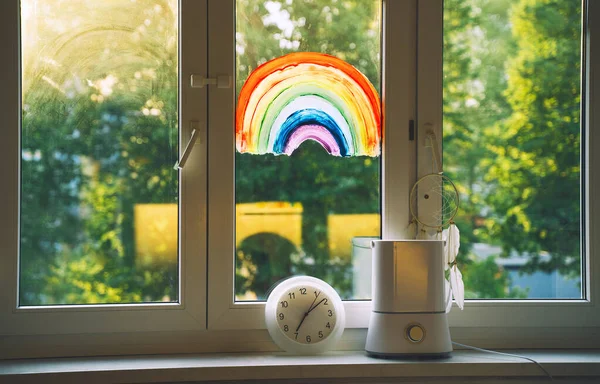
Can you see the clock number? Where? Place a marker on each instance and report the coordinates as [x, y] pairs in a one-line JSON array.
[[328, 326], [286, 328], [329, 313], [320, 334], [325, 302], [302, 291], [281, 317], [308, 339], [317, 293], [292, 295], [296, 333], [284, 304]]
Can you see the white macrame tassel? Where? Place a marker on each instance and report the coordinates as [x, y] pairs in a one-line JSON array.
[[458, 287], [448, 291], [411, 230], [452, 247], [452, 243]]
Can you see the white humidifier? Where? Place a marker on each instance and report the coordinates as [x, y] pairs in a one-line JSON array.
[[409, 302]]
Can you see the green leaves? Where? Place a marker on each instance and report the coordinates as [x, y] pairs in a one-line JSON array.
[[515, 155], [91, 71]]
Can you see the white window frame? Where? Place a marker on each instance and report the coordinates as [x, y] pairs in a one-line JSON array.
[[207, 319]]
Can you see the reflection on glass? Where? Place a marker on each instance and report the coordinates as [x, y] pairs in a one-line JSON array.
[[99, 139], [512, 144], [298, 214]]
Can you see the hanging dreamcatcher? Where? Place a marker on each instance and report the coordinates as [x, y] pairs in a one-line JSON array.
[[434, 202]]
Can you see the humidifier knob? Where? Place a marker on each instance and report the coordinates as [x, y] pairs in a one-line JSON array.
[[415, 333]]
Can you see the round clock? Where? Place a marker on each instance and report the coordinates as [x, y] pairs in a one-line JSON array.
[[305, 315]]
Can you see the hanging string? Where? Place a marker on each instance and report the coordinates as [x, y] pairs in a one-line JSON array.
[[436, 160], [411, 230], [439, 234], [422, 235]]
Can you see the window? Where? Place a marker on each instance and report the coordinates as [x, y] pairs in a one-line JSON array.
[[221, 219], [512, 143], [542, 314], [104, 237], [99, 195], [297, 212]]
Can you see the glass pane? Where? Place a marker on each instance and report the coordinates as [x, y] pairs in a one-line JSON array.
[[308, 183], [512, 139], [99, 134]]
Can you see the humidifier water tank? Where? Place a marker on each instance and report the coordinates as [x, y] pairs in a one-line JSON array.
[[409, 301]]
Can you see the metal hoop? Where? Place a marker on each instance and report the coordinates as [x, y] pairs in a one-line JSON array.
[[443, 178]]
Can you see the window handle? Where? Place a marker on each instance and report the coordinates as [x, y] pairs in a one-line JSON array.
[[188, 148]]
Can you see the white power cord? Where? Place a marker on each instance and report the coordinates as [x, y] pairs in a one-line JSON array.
[[506, 354]]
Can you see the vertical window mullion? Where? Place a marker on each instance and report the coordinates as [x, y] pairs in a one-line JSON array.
[[194, 175]]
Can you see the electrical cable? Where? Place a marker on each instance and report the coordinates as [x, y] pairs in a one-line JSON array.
[[506, 354]]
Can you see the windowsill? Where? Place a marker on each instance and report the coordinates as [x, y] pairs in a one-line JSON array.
[[584, 364]]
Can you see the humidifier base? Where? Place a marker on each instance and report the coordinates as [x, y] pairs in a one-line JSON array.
[[402, 335]]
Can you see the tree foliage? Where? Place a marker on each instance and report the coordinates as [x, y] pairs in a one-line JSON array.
[[99, 136], [512, 129], [537, 149]]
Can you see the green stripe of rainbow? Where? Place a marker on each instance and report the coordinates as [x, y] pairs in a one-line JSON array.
[[303, 82]]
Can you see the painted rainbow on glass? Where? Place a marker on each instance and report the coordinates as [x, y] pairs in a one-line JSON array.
[[308, 96]]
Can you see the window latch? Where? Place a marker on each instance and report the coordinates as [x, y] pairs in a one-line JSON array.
[[199, 81], [188, 148]]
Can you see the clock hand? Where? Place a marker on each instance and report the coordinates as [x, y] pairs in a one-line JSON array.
[[310, 310], [316, 297], [307, 312], [301, 321]]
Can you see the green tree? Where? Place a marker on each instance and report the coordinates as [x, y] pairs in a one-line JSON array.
[[99, 136], [511, 129], [485, 280], [477, 41], [535, 176]]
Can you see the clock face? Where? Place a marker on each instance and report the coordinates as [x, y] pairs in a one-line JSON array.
[[306, 314]]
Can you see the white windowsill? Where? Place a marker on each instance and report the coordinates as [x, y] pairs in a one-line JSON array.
[[584, 365]]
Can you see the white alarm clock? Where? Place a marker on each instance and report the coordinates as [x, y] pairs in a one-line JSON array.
[[305, 315]]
